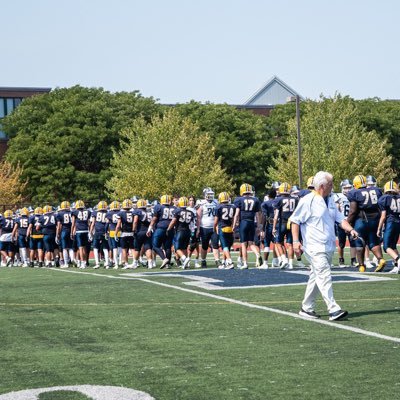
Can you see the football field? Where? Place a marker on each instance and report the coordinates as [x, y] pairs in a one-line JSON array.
[[195, 334]]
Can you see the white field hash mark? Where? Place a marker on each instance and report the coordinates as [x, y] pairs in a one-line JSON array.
[[246, 304]]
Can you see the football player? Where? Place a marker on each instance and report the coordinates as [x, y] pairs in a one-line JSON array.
[[223, 225], [112, 220], [125, 225], [268, 221], [284, 205], [48, 226], [6, 233], [182, 218], [162, 240], [80, 230], [19, 235], [205, 227], [247, 208], [310, 187], [141, 222], [390, 222], [35, 237], [364, 216], [63, 233], [194, 240], [97, 233], [343, 205]]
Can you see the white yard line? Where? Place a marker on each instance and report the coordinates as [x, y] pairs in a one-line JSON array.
[[249, 305]]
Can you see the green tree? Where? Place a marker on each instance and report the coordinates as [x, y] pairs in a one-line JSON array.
[[167, 155], [242, 139], [333, 139], [63, 140]]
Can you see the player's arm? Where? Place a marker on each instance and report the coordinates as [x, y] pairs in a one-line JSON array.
[[14, 232], [199, 213], [276, 216], [117, 228], [172, 223], [381, 224], [236, 218], [29, 230], [73, 225], [353, 212]]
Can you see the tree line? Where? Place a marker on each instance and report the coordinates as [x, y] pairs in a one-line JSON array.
[[91, 144]]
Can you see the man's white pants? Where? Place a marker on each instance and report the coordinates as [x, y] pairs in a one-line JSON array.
[[320, 281]]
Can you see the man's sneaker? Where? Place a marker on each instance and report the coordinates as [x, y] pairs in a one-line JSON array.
[[96, 266], [239, 264], [203, 264], [381, 265], [361, 268], [308, 314], [395, 270], [243, 266], [338, 315], [8, 262], [221, 266], [197, 264], [229, 265], [275, 263], [115, 266], [341, 263], [290, 266], [126, 266]]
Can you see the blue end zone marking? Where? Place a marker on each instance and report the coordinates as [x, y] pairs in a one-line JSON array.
[[215, 279]]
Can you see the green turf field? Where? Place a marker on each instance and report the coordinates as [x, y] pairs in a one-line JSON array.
[[61, 328]]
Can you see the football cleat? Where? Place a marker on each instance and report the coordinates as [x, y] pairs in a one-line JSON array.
[[381, 265]]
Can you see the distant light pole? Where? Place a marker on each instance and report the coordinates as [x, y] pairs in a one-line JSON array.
[[296, 99]]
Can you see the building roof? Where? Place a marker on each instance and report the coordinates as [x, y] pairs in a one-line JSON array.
[[275, 91], [21, 91]]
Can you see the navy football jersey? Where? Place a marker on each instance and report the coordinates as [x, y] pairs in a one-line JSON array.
[[22, 223], [267, 209], [185, 217], [391, 204], [100, 221], [164, 214], [225, 214], [248, 206], [64, 218], [366, 199], [48, 224], [126, 218], [81, 219], [303, 192], [286, 206], [144, 219], [33, 220], [112, 219], [7, 225]]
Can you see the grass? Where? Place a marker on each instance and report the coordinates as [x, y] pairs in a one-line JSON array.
[[62, 329]]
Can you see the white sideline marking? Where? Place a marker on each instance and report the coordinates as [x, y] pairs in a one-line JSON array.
[[250, 305]]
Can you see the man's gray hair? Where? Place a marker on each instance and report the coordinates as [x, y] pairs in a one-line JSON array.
[[321, 178]]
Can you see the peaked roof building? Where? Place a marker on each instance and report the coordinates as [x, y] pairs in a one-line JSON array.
[[275, 91]]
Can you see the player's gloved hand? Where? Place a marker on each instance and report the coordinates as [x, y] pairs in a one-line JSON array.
[[116, 238], [57, 240], [90, 237]]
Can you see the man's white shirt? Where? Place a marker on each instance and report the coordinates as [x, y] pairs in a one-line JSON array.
[[317, 222]]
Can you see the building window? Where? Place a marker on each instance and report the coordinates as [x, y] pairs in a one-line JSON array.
[[2, 108], [10, 106]]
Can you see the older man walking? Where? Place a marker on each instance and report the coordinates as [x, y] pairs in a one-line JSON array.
[[315, 216]]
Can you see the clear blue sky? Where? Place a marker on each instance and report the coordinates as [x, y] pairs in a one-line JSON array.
[[207, 50]]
